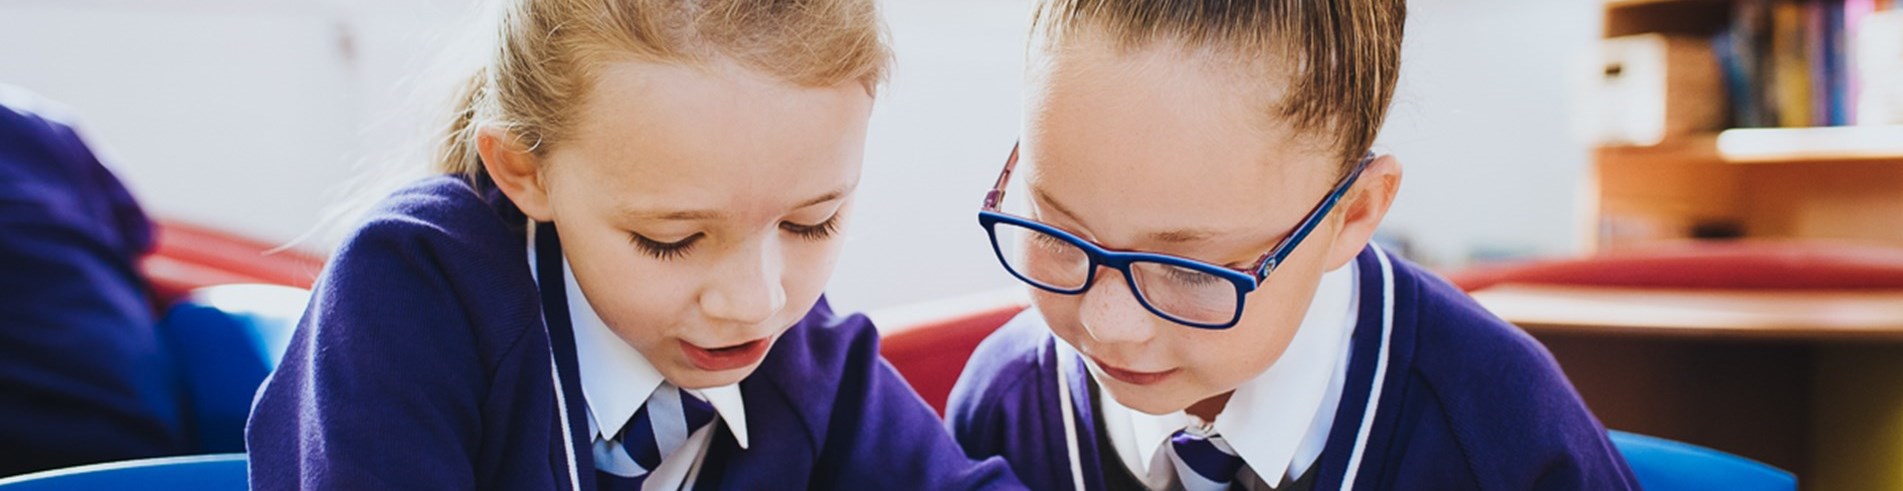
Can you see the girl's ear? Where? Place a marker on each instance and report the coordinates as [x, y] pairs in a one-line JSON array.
[[1364, 208], [515, 170]]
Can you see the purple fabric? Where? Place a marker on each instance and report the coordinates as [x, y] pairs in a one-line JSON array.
[[80, 365], [1204, 458], [423, 363], [1468, 402]]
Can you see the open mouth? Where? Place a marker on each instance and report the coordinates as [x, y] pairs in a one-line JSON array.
[[1133, 377], [726, 357]]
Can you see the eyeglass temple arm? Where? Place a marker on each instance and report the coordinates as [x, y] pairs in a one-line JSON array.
[[1270, 260], [995, 197]]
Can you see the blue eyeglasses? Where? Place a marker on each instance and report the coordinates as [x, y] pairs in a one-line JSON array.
[[1183, 290]]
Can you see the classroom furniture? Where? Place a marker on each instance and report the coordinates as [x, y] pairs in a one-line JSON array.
[[1790, 353], [929, 342], [188, 256], [1801, 367], [1808, 181], [220, 472], [1665, 465], [222, 341]]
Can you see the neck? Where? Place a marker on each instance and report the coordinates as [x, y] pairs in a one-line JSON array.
[[1207, 409]]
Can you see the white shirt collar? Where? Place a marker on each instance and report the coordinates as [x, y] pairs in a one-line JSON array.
[[616, 380], [1279, 421]]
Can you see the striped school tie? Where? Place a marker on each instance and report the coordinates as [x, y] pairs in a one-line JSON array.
[[656, 430], [1204, 462]]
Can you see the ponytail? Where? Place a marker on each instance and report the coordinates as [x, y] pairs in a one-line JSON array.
[[456, 154]]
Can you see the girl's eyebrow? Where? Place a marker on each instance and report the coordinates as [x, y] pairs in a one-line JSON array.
[[829, 196], [1176, 236], [1183, 235], [693, 215], [679, 215]]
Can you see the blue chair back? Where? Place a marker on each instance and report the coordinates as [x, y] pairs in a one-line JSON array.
[[223, 341], [221, 472], [1666, 465]]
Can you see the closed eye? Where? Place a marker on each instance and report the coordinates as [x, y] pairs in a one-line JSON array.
[[664, 250], [818, 231]]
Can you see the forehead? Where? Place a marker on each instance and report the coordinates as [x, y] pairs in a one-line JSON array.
[[678, 136], [1163, 137]]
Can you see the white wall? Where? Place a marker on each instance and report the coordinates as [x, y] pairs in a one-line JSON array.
[[939, 136], [253, 114], [1485, 123]]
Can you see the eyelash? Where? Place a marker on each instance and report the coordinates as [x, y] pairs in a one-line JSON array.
[[822, 231], [675, 250], [664, 250]]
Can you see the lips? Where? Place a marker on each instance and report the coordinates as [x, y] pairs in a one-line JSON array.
[[727, 357], [1132, 377]]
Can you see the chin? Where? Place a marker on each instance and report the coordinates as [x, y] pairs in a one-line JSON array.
[[1147, 400]]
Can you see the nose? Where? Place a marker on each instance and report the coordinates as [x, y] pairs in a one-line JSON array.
[[745, 290], [1110, 312]]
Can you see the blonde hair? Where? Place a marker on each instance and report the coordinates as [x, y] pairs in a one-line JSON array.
[[549, 50], [1342, 57]]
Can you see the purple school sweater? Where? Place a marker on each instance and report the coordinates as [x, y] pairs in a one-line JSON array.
[[1440, 394], [424, 362], [83, 377]]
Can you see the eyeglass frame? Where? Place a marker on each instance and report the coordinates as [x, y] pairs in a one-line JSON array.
[[1245, 280]]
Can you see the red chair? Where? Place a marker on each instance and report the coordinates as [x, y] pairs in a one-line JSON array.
[[929, 342], [1711, 265], [188, 257]]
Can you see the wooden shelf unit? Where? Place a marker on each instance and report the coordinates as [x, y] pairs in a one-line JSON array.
[[1849, 186], [1820, 395], [1843, 183]]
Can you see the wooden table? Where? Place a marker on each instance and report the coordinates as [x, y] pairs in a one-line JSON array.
[[1809, 381]]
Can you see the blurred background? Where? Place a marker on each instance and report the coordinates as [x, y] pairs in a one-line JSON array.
[[1697, 205], [254, 116]]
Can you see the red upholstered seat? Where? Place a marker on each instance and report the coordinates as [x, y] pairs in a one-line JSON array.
[[928, 343], [1713, 265], [189, 257]]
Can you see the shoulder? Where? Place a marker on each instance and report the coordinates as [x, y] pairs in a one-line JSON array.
[[816, 359], [1006, 359], [1457, 341], [435, 211], [434, 253], [998, 378], [440, 224], [1501, 396], [50, 176], [1473, 359], [821, 345], [24, 113]]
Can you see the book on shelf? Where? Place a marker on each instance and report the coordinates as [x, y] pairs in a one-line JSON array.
[[1801, 63]]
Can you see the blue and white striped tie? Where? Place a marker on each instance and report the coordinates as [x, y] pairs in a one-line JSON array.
[[1204, 462], [656, 430]]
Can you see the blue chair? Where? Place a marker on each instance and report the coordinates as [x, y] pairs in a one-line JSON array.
[[1665, 465], [223, 341], [197, 473]]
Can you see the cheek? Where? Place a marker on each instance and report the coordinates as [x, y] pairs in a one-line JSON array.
[[1269, 322], [653, 289], [626, 287], [1227, 359], [808, 266], [1060, 313]]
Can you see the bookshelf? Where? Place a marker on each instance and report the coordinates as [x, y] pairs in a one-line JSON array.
[[1784, 164], [1815, 145], [1804, 182]]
